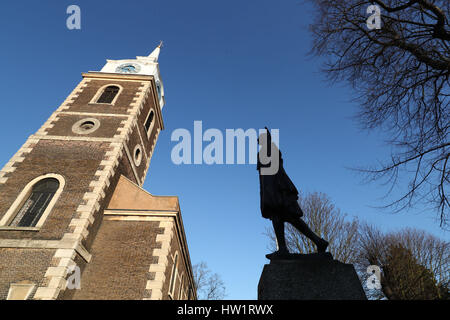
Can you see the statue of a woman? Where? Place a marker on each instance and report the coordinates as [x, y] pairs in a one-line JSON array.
[[279, 201]]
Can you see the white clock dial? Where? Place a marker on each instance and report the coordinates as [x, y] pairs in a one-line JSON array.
[[128, 68]]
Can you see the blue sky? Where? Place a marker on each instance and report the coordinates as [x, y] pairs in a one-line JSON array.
[[231, 64]]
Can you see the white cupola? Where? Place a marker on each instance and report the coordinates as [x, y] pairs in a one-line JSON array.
[[147, 65]]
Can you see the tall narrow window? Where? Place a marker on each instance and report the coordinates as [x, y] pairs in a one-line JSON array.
[[158, 89], [174, 275], [190, 293], [108, 94], [181, 288], [148, 122], [33, 208]]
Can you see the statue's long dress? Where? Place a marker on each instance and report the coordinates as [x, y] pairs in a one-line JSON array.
[[279, 196]]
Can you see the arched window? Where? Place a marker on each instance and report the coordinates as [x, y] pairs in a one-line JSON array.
[[36, 203], [149, 121], [173, 276], [180, 293], [108, 94]]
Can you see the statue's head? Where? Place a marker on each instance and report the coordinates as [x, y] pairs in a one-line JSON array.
[[268, 155], [265, 137]]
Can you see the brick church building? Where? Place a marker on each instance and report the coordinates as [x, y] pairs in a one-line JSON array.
[[75, 222]]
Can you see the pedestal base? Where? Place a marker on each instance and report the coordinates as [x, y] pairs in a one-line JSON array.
[[309, 277]]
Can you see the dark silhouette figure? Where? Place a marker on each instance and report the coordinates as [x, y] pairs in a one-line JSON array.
[[279, 200]]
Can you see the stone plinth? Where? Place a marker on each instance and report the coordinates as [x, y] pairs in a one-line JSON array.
[[309, 277]]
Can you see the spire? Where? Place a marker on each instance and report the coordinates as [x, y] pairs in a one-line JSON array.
[[155, 54]]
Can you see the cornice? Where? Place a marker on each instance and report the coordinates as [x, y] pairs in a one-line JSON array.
[[118, 76]]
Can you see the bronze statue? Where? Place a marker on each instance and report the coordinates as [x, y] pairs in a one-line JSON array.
[[279, 199]]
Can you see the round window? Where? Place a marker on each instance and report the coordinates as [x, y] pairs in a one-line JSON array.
[[137, 155], [86, 126]]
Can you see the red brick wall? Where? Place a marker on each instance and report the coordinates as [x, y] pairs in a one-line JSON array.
[[76, 161], [63, 126], [131, 144], [121, 257], [182, 270], [17, 265], [82, 102]]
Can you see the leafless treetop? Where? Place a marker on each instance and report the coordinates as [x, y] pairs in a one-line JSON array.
[[401, 77]]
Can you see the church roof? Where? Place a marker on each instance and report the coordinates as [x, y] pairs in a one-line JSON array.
[[129, 196]]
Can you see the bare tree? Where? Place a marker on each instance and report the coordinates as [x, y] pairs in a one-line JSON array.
[[413, 263], [327, 222], [400, 73], [209, 285]]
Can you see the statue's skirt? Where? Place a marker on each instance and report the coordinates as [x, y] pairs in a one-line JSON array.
[[279, 197]]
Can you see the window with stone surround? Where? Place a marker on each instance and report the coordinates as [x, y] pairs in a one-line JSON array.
[[180, 291], [137, 155], [21, 290], [33, 208], [108, 94], [149, 122], [173, 276], [34, 203]]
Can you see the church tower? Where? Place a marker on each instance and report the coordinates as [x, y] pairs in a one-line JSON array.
[[75, 222]]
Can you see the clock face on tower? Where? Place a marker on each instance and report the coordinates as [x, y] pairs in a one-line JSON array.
[[128, 68]]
